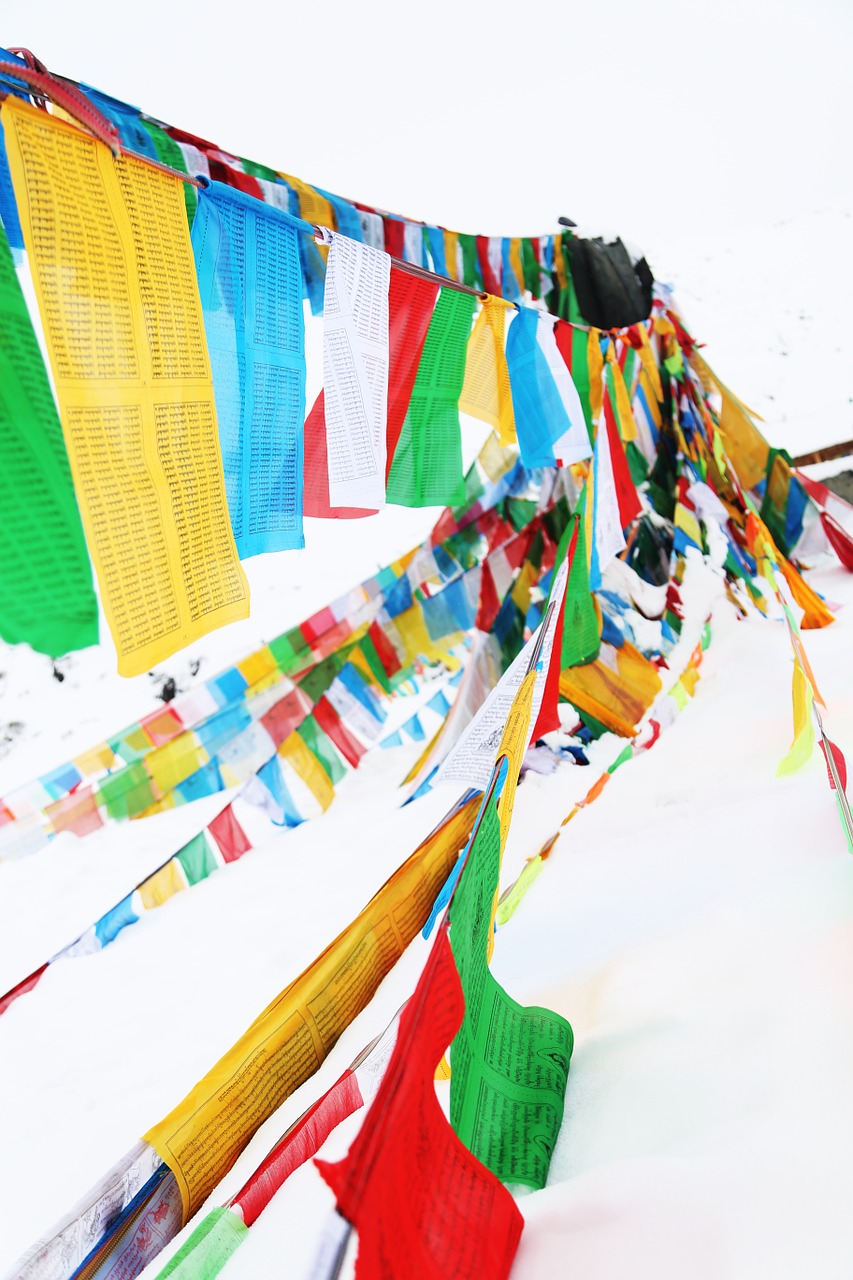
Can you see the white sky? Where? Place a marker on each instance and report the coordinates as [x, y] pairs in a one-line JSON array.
[[490, 117], [712, 138]]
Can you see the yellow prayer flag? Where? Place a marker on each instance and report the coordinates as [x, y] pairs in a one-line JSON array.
[[514, 740], [651, 398], [202, 1137], [746, 447], [496, 460], [801, 748], [686, 521], [621, 399], [164, 884], [173, 763], [95, 760], [305, 764], [595, 363], [115, 281], [649, 363], [257, 666], [451, 256], [522, 586], [516, 263], [618, 698], [416, 639], [486, 393]]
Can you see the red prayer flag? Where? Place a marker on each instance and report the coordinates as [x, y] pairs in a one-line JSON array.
[[77, 812], [840, 765], [162, 726], [423, 1206], [332, 724], [25, 985], [315, 491], [839, 539], [549, 718], [491, 284], [286, 715], [626, 492], [411, 303], [229, 835], [385, 650], [490, 604], [395, 236], [302, 1140], [221, 172]]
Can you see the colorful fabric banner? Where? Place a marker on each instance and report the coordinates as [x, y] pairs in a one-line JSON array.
[[355, 372], [509, 1065], [134, 385], [46, 593], [486, 392], [247, 259], [427, 466], [540, 412], [421, 1203]]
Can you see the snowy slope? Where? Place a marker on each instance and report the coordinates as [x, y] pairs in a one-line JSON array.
[[695, 925]]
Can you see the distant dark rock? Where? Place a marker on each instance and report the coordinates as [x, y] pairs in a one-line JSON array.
[[167, 690], [842, 484]]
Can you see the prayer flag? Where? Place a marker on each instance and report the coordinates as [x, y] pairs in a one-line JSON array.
[[423, 1206], [46, 593], [133, 383], [427, 466]]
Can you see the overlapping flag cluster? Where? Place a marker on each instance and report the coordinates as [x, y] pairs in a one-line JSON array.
[[618, 464]]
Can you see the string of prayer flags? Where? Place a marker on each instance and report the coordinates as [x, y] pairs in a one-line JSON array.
[[100, 233], [509, 1065], [421, 1203], [288, 1041], [46, 593], [192, 863], [247, 259], [355, 372], [427, 466]]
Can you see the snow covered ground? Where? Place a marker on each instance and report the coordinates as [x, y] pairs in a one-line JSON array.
[[695, 925]]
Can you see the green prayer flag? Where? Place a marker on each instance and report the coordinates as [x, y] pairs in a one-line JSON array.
[[168, 152], [509, 1065], [126, 792], [205, 1252], [46, 595], [259, 170], [530, 268], [581, 636], [291, 651], [323, 748], [371, 657], [427, 466], [197, 859], [470, 265]]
